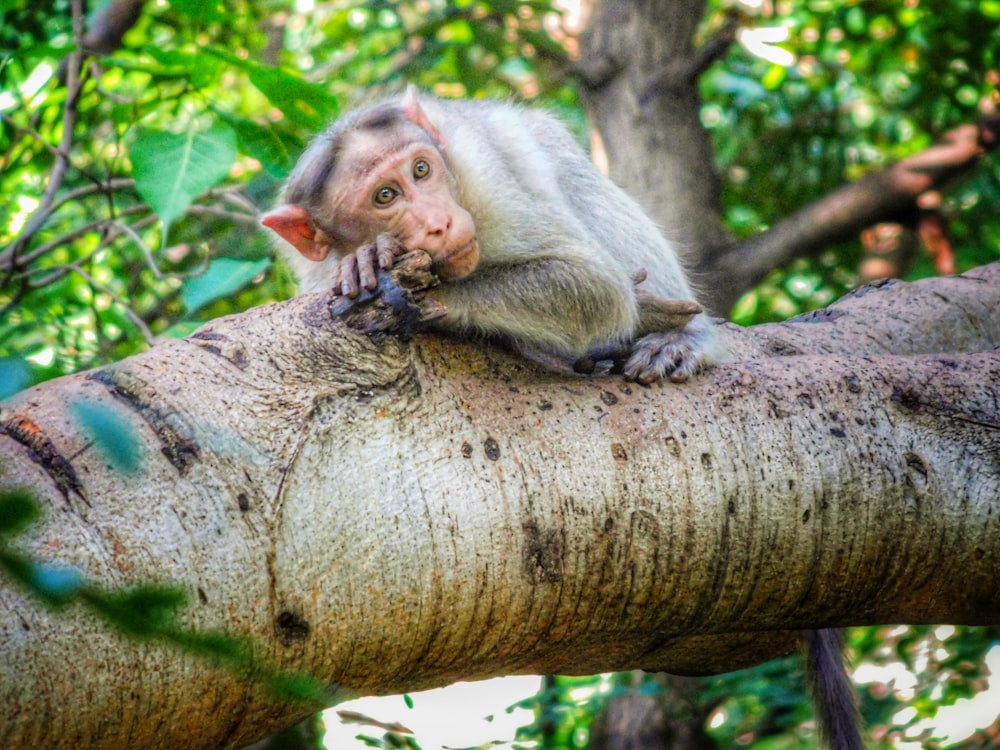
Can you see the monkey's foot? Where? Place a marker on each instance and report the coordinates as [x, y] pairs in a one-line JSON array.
[[674, 354]]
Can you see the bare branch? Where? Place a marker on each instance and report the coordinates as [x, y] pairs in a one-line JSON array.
[[74, 85], [884, 195]]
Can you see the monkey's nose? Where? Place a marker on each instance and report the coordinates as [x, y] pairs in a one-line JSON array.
[[436, 232]]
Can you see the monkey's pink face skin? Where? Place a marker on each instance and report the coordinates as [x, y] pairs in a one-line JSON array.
[[408, 192]]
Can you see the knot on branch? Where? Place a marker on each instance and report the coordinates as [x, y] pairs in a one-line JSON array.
[[399, 305]]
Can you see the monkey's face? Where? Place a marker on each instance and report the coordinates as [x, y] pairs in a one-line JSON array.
[[401, 185]]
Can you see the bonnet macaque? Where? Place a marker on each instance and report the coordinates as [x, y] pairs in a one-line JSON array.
[[531, 242]]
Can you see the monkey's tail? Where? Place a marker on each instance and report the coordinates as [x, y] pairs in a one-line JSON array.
[[834, 696]]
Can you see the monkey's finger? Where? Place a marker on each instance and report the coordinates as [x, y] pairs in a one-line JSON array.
[[638, 277], [365, 259], [349, 277], [387, 248]]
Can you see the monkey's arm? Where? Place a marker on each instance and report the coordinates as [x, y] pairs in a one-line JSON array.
[[562, 305]]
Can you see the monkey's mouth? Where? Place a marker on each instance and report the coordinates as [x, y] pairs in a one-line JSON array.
[[458, 263]]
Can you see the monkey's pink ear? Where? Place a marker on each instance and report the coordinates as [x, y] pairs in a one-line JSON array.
[[415, 113], [294, 224]]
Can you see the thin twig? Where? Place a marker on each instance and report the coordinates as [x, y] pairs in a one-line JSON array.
[[74, 86], [95, 226], [139, 323]]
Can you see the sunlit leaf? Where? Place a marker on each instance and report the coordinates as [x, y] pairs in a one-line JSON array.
[[222, 277], [199, 10], [172, 169]]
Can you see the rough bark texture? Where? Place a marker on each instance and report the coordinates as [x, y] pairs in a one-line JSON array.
[[390, 515]]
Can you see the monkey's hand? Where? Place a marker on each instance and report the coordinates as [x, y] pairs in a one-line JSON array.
[[400, 304], [360, 269], [674, 354]]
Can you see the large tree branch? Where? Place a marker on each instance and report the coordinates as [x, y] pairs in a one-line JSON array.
[[390, 515]]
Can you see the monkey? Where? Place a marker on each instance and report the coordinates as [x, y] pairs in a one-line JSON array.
[[531, 242]]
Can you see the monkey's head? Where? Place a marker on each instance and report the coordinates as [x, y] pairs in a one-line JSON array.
[[378, 170]]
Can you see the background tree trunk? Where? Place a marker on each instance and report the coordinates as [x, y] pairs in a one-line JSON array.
[[639, 82]]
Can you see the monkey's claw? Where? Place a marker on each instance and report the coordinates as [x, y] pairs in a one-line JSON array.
[[658, 355]]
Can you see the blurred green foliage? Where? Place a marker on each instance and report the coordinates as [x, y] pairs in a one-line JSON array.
[[872, 82], [194, 121]]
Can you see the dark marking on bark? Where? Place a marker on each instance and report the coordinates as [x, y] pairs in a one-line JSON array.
[[838, 432], [43, 452], [609, 398], [673, 447], [179, 449], [545, 406], [825, 315], [807, 515], [853, 383], [706, 461], [917, 472], [220, 345], [243, 502], [291, 628], [807, 399], [618, 452], [732, 507], [872, 286], [775, 411], [778, 348], [906, 397], [609, 525], [202, 596], [543, 553], [466, 449], [492, 448]]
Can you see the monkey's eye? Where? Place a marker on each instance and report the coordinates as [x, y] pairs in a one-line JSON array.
[[384, 196], [421, 168]]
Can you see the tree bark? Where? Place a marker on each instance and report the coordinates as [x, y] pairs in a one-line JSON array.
[[390, 515]]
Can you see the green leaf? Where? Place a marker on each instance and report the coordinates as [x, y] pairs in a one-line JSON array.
[[202, 71], [199, 10], [111, 432], [57, 583], [15, 375], [306, 105], [263, 144], [17, 511], [222, 277], [172, 169], [142, 612]]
